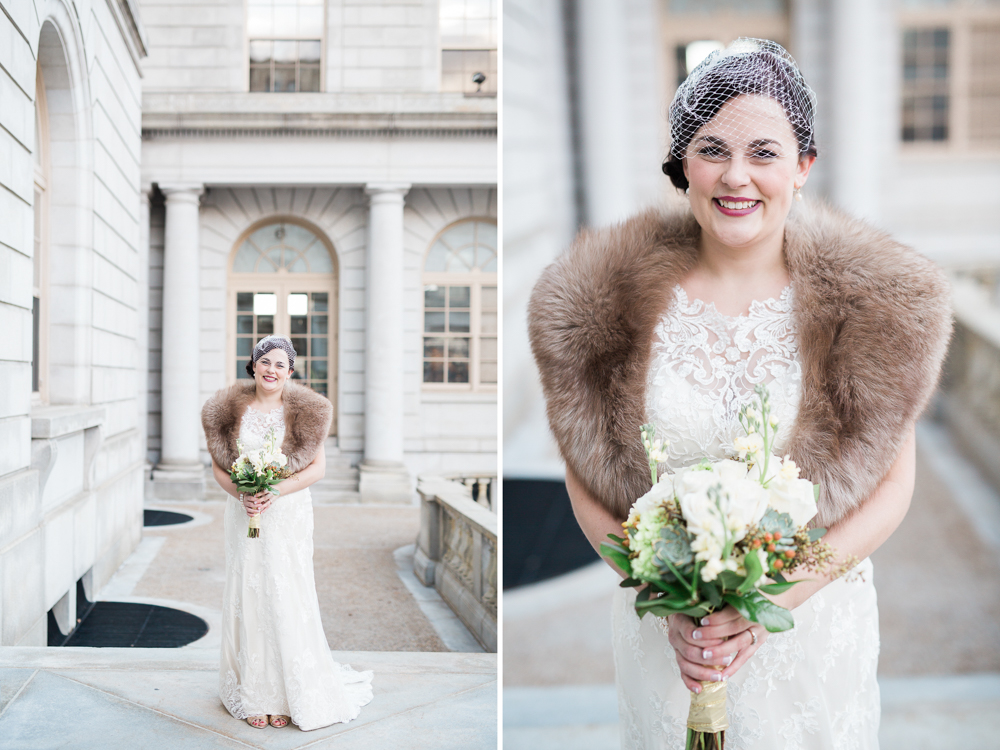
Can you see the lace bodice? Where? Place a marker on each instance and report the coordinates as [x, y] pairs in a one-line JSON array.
[[705, 366], [256, 425]]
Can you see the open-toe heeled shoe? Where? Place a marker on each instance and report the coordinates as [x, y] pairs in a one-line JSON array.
[[258, 721], [279, 721]]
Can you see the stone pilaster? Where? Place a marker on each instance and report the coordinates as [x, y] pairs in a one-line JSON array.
[[180, 474], [384, 477]]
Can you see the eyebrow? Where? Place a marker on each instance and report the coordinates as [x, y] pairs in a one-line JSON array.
[[268, 359], [711, 139], [764, 142]]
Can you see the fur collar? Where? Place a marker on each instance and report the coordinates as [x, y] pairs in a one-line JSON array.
[[873, 320], [307, 418]]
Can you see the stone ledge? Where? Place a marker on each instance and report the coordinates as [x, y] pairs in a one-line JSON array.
[[56, 421]]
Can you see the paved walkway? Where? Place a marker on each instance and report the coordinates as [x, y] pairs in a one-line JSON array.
[[434, 688], [938, 582], [155, 698]]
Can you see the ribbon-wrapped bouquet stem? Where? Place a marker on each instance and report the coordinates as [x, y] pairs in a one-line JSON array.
[[258, 470], [722, 532]]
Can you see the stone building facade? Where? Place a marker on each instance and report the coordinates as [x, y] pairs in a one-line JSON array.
[[186, 178]]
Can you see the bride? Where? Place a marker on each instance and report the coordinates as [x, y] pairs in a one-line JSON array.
[[674, 318], [276, 663]]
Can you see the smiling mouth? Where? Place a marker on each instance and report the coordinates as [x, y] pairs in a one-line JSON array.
[[269, 379], [736, 205]]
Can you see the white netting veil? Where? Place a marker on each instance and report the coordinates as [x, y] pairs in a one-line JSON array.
[[735, 101], [266, 344]]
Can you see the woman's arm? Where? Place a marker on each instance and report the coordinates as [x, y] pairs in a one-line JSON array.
[[595, 520], [307, 477]]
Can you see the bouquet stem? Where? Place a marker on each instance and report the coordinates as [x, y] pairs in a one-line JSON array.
[[254, 529], [707, 721]]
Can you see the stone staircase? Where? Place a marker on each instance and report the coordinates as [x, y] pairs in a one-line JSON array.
[[339, 486]]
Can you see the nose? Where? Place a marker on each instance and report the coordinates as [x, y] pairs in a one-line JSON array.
[[736, 174]]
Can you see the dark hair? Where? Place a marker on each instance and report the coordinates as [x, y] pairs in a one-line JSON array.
[[766, 70], [268, 343]]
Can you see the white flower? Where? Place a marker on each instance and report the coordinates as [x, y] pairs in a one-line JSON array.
[[712, 569], [752, 444], [282, 460], [795, 497], [788, 469]]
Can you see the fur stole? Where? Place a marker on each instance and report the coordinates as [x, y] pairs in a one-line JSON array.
[[873, 319], [307, 418]]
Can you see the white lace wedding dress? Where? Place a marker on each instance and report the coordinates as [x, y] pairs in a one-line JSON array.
[[811, 687], [275, 657]]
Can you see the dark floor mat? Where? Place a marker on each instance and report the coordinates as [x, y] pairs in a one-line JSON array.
[[125, 624], [541, 537], [163, 518]]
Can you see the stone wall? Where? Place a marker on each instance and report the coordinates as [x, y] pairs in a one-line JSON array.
[[71, 466]]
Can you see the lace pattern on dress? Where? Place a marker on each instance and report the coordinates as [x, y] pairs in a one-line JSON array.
[[705, 366]]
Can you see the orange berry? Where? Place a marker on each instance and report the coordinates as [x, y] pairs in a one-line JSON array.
[[768, 537], [789, 553], [777, 535], [770, 548], [779, 564]]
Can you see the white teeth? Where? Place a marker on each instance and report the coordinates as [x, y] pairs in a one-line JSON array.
[[737, 205]]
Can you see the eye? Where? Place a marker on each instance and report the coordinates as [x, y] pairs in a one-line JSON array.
[[713, 152], [765, 154]]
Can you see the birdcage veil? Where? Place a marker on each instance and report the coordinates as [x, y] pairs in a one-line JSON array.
[[266, 344], [747, 66]]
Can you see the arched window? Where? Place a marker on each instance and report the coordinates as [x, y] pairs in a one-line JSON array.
[[283, 280], [39, 338], [460, 308]]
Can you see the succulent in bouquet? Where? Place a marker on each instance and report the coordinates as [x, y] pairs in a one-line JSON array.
[[721, 532], [259, 470]]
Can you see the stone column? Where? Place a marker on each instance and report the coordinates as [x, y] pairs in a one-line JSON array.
[[384, 477], [180, 474], [604, 110], [859, 44], [142, 324]]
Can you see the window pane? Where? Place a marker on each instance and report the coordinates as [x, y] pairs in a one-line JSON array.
[[489, 321], [241, 368], [244, 324], [457, 348], [284, 78], [488, 372], [320, 388], [260, 80], [298, 304], [319, 347], [265, 304], [434, 296], [244, 301], [458, 322], [458, 372], [260, 51], [296, 375], [319, 300], [488, 349], [433, 347], [433, 372], [301, 346], [265, 324], [458, 296], [298, 324], [309, 78], [309, 51], [319, 324], [317, 255], [434, 322], [489, 298], [317, 369], [244, 346]]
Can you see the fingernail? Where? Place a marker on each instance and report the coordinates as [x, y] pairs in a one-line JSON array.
[[729, 660], [696, 635], [706, 654], [697, 688], [704, 621], [717, 677]]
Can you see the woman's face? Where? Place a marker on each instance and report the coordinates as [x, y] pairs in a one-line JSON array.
[[743, 167], [271, 371]]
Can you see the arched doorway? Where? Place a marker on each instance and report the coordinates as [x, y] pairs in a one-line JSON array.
[[283, 279]]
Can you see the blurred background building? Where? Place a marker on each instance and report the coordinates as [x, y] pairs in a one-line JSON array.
[[182, 178], [909, 137]]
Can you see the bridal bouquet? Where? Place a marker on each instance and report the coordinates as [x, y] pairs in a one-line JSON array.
[[259, 470], [721, 532]]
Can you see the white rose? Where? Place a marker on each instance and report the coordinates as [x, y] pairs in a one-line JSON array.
[[712, 569], [694, 479], [730, 472], [747, 505], [282, 459], [757, 470], [662, 491], [794, 497]]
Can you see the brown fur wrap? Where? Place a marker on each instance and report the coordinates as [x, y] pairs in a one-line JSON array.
[[873, 319], [307, 418]]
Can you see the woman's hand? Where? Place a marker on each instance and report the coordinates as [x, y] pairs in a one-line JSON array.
[[254, 504], [723, 639]]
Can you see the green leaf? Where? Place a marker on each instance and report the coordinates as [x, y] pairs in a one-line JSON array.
[[673, 590], [643, 595], [630, 583], [776, 619], [712, 593], [780, 578], [754, 571], [816, 534], [816, 492], [615, 548], [699, 610], [730, 580], [777, 588], [618, 559], [739, 603]]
